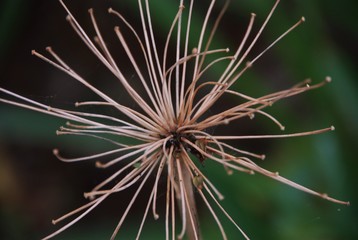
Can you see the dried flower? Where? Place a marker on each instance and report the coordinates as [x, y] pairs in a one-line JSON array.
[[169, 131]]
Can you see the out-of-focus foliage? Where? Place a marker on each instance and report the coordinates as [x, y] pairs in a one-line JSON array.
[[35, 187]]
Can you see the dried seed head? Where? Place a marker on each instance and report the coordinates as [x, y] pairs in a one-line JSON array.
[[169, 131]]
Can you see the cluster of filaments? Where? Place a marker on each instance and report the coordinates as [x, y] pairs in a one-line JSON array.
[[170, 127]]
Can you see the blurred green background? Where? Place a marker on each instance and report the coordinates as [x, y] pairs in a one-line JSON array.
[[35, 187]]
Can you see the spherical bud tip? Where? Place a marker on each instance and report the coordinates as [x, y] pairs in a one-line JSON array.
[[55, 151], [99, 164], [248, 64], [328, 79]]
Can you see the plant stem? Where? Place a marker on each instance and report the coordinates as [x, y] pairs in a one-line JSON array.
[[192, 229]]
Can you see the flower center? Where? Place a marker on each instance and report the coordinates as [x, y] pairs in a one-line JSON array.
[[178, 139]]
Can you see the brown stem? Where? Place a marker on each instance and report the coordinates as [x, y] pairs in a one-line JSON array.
[[191, 229]]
